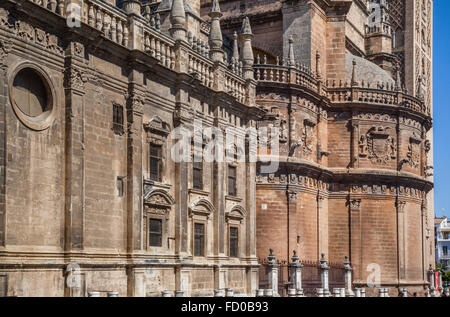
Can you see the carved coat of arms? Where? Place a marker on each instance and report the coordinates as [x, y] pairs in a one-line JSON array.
[[378, 145]]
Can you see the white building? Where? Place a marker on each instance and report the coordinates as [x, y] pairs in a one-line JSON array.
[[442, 238]]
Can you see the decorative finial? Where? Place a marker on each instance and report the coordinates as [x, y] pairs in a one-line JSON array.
[[353, 83], [215, 34], [291, 56], [178, 20], [420, 89], [247, 57]]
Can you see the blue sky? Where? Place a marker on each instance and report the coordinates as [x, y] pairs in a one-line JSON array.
[[441, 93]]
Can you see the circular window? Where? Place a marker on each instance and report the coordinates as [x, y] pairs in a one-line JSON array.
[[30, 94], [32, 98]]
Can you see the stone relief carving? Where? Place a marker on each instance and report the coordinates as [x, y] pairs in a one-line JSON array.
[[29, 33], [5, 48], [283, 132], [378, 145], [75, 78], [308, 137], [413, 154], [355, 204]]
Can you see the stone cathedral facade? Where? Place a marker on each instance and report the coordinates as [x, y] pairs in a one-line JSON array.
[[92, 92]]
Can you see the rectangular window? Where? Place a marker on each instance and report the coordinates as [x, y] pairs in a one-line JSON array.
[[155, 162], [199, 239], [234, 242], [120, 186], [232, 190], [155, 232], [445, 250], [198, 175], [118, 119]]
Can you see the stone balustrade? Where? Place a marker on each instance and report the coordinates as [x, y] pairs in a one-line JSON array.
[[108, 19], [202, 67], [376, 96], [160, 47], [114, 23], [56, 6], [235, 86], [298, 75]]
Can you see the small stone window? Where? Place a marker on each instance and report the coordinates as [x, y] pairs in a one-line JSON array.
[[155, 232], [155, 162], [118, 119], [234, 242], [199, 239], [232, 184]]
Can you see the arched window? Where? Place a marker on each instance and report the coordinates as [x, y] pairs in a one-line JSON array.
[[236, 231], [158, 204], [200, 212]]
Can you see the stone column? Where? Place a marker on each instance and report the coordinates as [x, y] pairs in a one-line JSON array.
[[403, 292], [355, 236], [167, 294], [268, 293], [273, 273], [135, 105], [431, 278], [219, 293], [75, 79], [348, 278], [291, 216], [5, 49], [324, 273], [336, 292], [259, 293], [296, 273], [319, 292], [219, 277], [179, 293], [183, 280], [400, 204], [136, 282]]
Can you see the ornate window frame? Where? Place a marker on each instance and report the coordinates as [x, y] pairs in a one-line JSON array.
[[236, 217], [201, 211], [157, 205], [157, 132]]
